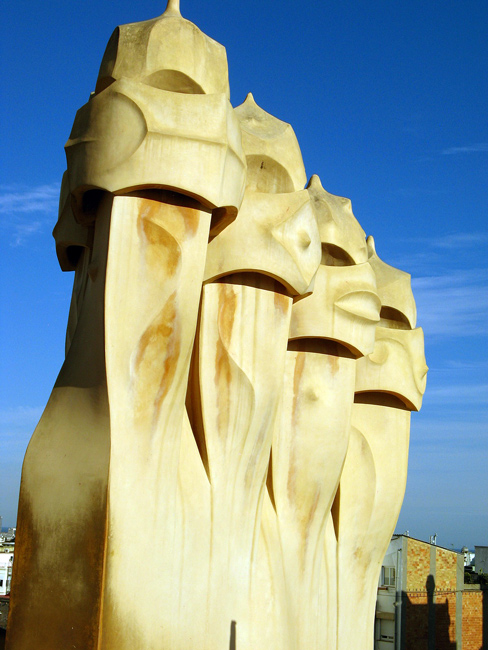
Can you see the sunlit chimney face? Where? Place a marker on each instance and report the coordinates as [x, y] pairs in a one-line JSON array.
[[276, 220], [343, 239], [397, 365], [146, 125], [281, 236], [344, 306], [274, 160], [398, 308]]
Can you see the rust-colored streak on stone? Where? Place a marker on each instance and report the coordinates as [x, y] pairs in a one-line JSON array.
[[313, 508], [156, 360], [223, 372], [307, 521], [297, 378], [178, 208], [163, 253], [158, 350], [173, 347], [281, 303], [191, 218], [222, 382], [227, 312], [334, 364]]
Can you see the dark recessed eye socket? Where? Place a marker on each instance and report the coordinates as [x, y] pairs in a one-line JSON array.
[[165, 195], [335, 256], [394, 319], [383, 399], [174, 81], [254, 279], [322, 346], [73, 254], [85, 206]]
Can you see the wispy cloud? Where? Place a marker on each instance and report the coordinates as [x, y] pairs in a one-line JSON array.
[[452, 305], [17, 425], [437, 254], [22, 209], [460, 240], [43, 198], [473, 365], [448, 432], [22, 231], [20, 417], [467, 394], [470, 148], [452, 240]]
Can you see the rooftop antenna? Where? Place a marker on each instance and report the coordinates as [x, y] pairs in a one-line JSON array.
[[172, 8]]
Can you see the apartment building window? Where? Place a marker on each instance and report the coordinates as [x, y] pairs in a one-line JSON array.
[[389, 576]]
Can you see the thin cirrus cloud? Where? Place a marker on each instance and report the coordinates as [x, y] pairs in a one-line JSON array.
[[453, 444], [454, 304], [17, 424], [470, 148], [24, 210], [460, 240], [463, 364], [425, 256], [18, 200], [438, 433], [21, 231], [19, 417], [466, 394]]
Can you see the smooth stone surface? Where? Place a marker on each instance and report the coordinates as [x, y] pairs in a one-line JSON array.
[[240, 371]]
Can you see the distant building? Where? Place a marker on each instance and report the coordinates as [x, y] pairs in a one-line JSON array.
[[468, 557], [423, 601], [6, 561], [8, 537], [481, 559]]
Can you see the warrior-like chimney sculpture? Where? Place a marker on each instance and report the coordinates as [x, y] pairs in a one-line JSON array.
[[240, 370]]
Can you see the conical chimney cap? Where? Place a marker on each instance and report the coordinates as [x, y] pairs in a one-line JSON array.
[[167, 52], [337, 224], [274, 160], [393, 286]]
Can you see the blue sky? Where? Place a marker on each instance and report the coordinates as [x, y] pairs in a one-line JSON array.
[[389, 102]]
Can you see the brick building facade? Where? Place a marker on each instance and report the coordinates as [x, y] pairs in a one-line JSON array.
[[425, 604], [475, 618]]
